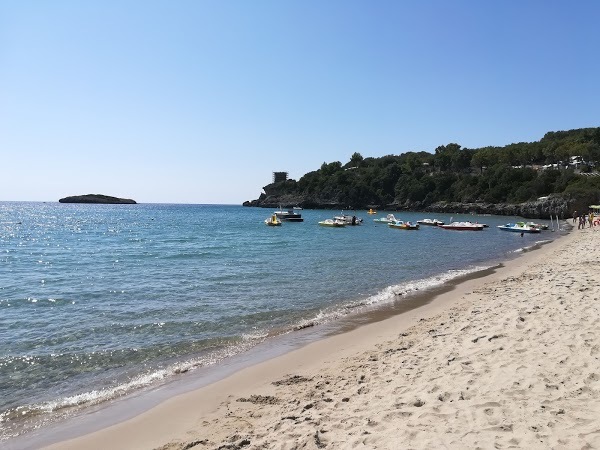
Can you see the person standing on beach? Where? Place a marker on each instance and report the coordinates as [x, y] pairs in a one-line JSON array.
[[591, 219], [574, 216], [581, 222]]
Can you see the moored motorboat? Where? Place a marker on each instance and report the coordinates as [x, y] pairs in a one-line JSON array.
[[401, 225], [332, 223], [390, 218], [519, 227], [348, 219], [432, 222], [541, 226], [463, 226], [273, 221], [288, 215]]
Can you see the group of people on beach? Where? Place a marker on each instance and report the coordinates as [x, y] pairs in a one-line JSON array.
[[583, 219]]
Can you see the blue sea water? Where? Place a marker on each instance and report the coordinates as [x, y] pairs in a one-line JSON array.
[[98, 301]]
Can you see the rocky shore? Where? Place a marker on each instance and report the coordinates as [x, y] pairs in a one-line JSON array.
[[543, 208]]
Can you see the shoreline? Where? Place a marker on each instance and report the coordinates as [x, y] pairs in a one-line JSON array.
[[214, 414], [135, 395], [121, 409]]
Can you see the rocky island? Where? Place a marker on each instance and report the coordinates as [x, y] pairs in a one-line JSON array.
[[97, 199]]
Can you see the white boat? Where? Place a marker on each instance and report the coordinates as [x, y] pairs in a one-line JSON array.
[[288, 215], [404, 225], [463, 226], [541, 226], [432, 222], [519, 227], [332, 223], [273, 221], [390, 218], [348, 219]]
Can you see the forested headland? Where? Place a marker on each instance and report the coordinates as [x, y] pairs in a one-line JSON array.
[[556, 174]]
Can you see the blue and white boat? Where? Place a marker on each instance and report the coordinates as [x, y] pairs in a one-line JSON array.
[[520, 227]]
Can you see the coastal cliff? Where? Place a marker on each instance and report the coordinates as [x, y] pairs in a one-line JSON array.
[[561, 205], [97, 199], [556, 205]]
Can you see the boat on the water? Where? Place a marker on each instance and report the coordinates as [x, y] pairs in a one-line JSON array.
[[390, 218], [541, 226], [401, 225], [273, 221], [332, 223], [288, 215], [372, 211], [463, 226], [432, 222], [348, 219], [520, 227]]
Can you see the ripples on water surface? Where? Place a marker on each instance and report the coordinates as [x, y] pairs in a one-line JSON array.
[[97, 300]]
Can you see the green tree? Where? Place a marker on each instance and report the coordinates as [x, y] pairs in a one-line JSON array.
[[356, 159], [452, 173]]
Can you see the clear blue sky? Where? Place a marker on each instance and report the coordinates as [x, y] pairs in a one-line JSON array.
[[200, 101]]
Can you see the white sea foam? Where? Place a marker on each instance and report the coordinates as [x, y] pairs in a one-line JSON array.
[[388, 295], [531, 247], [391, 293], [255, 335], [63, 407]]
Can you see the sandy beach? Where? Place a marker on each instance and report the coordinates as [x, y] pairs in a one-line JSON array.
[[510, 360]]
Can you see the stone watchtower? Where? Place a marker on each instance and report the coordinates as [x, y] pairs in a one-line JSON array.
[[279, 177]]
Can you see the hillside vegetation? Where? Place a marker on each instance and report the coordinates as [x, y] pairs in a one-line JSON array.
[[561, 162]]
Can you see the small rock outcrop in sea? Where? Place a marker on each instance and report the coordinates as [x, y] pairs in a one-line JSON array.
[[97, 198]]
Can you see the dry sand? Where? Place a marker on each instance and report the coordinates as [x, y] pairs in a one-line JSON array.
[[506, 361]]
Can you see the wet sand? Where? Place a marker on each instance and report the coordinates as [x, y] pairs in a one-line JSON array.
[[506, 360]]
